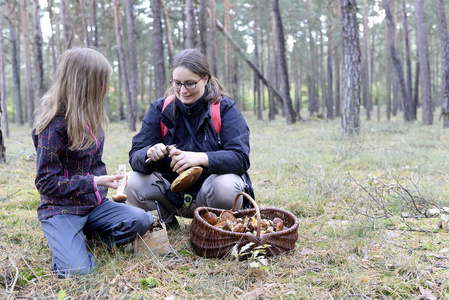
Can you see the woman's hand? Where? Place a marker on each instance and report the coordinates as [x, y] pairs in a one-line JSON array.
[[157, 152], [182, 160], [110, 181]]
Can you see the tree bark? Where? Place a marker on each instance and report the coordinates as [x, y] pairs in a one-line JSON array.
[[423, 56], [329, 100], [86, 39], [170, 47], [313, 102], [191, 25], [213, 41], [158, 49], [408, 108], [203, 26], [52, 38], [123, 67], [407, 59], [11, 5], [287, 101], [4, 123], [28, 67], [257, 90], [132, 54], [38, 55], [94, 23], [367, 101], [351, 68], [444, 41], [66, 25]]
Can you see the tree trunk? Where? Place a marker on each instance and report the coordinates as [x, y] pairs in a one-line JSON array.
[[66, 25], [407, 59], [86, 39], [203, 26], [351, 68], [94, 23], [444, 40], [158, 49], [337, 83], [170, 47], [287, 101], [313, 105], [416, 94], [123, 67], [191, 25], [271, 49], [38, 55], [367, 101], [14, 62], [257, 90], [227, 46], [52, 38], [4, 123], [329, 100], [2, 144], [388, 76], [408, 108], [322, 72], [297, 81], [213, 41], [132, 54], [423, 56], [28, 68], [120, 113]]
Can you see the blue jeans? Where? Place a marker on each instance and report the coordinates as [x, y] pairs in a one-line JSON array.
[[111, 222]]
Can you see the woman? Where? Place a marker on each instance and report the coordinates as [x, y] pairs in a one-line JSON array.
[[189, 125], [71, 176]]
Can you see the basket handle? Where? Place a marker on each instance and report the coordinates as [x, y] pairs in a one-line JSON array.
[[255, 206]]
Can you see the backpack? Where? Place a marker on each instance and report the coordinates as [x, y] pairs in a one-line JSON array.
[[214, 110]]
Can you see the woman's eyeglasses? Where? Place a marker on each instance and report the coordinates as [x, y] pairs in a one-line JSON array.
[[190, 85]]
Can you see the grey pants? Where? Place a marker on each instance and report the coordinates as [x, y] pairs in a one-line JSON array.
[[111, 222], [218, 191]]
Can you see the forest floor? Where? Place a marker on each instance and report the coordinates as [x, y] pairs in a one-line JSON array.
[[361, 202]]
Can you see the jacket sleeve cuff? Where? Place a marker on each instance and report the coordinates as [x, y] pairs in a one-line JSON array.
[[95, 185]]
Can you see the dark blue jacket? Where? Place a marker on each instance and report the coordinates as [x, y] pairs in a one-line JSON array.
[[191, 129], [65, 178]]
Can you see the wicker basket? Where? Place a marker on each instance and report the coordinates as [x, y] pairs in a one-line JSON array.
[[209, 241]]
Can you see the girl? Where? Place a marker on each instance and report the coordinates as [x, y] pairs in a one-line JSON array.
[[71, 176]]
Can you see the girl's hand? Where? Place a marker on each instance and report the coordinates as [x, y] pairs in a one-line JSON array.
[[110, 181], [182, 160], [157, 152]]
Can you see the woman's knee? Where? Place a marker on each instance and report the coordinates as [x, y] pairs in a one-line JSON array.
[[224, 189]]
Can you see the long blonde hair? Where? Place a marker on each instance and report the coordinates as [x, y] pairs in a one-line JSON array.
[[77, 93]]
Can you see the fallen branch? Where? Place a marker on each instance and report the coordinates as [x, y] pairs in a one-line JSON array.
[[12, 265]]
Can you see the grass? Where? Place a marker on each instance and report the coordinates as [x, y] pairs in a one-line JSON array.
[[349, 194]]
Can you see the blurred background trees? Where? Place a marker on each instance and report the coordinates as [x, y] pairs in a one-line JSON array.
[[292, 59]]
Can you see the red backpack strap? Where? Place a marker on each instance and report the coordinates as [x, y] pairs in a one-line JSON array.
[[216, 116], [215, 113], [166, 102]]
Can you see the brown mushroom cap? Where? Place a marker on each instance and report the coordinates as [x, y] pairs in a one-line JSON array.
[[119, 197], [186, 179]]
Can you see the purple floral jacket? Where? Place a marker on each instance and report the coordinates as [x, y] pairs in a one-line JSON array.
[[65, 178]]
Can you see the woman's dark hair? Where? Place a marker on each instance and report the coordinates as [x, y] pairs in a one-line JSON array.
[[196, 62]]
